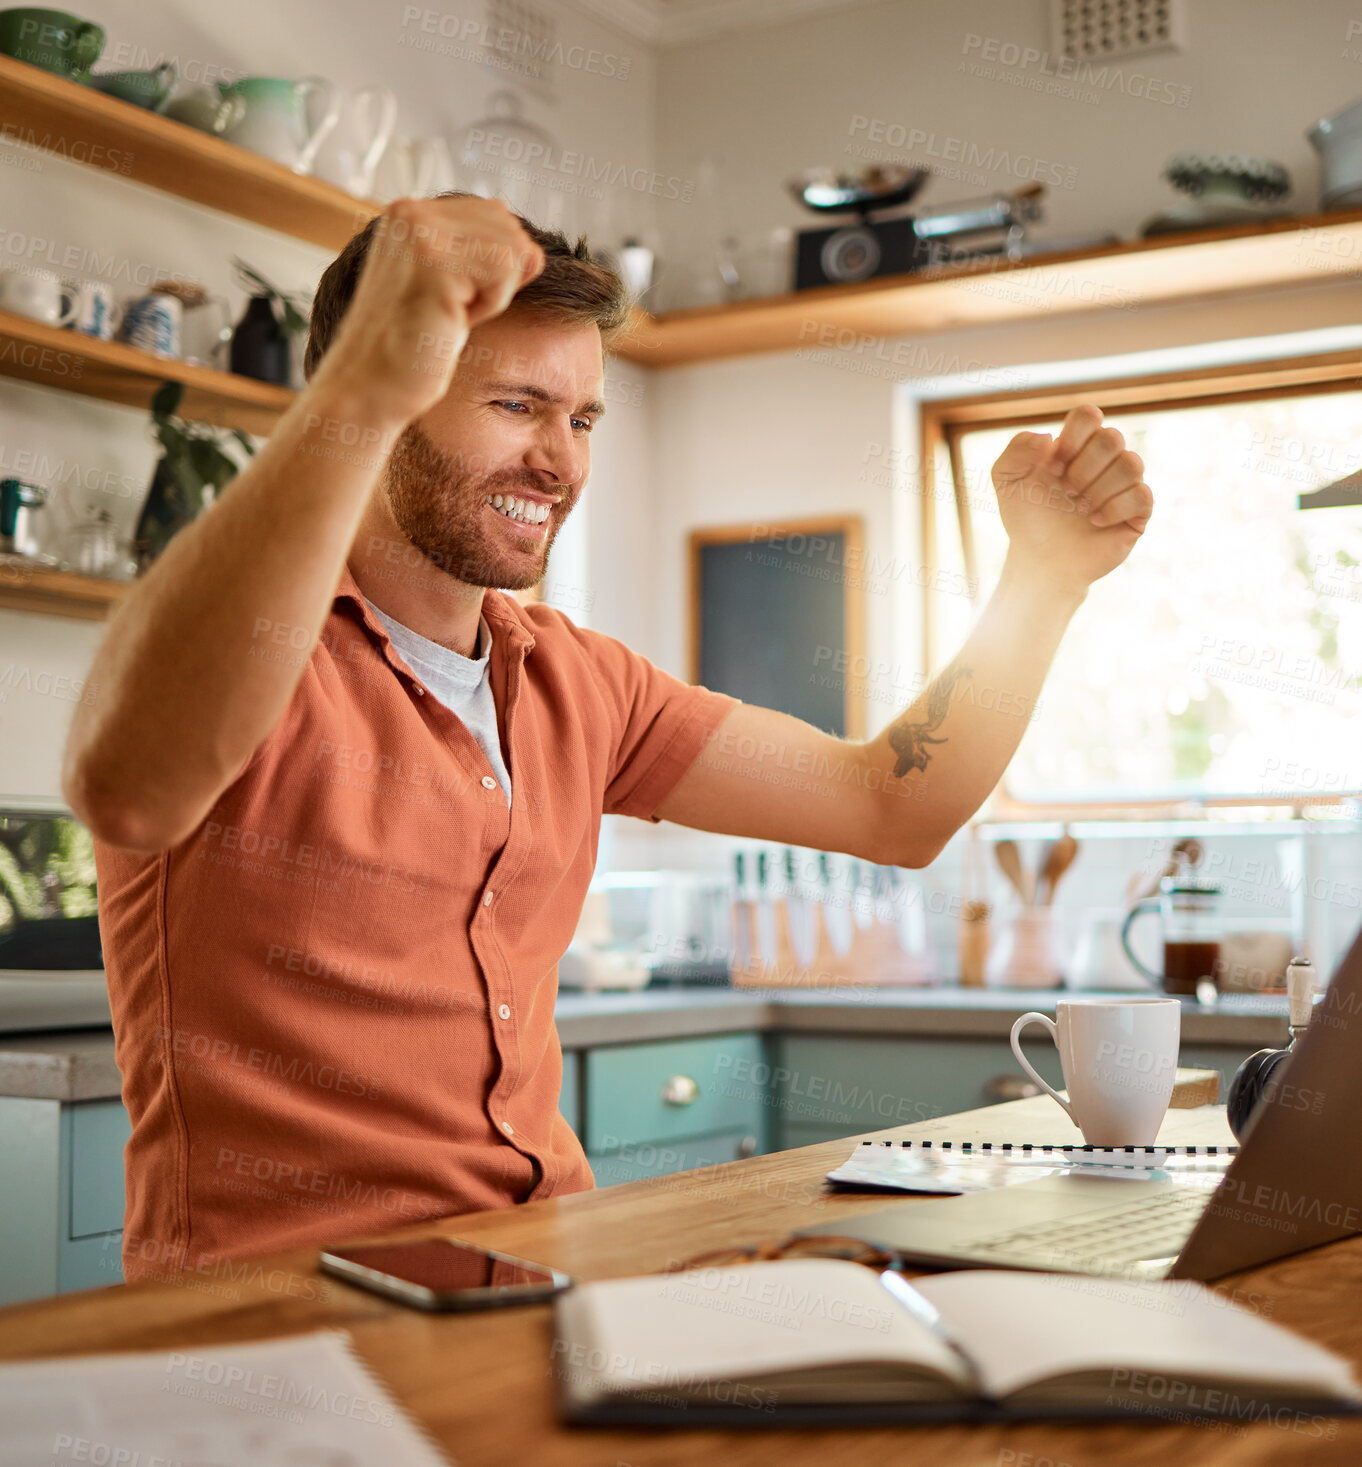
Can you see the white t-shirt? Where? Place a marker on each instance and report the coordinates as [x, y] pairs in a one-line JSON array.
[[460, 683]]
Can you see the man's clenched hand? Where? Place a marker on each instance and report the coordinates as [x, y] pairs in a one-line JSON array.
[[436, 268], [1073, 506]]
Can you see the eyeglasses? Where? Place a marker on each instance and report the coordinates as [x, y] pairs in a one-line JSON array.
[[853, 1250]]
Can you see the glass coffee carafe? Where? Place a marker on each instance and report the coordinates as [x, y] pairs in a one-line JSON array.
[[1190, 913]]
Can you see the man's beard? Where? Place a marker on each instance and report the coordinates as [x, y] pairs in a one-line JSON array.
[[438, 506]]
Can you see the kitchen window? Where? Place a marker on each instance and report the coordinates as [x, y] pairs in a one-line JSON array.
[[1222, 663]]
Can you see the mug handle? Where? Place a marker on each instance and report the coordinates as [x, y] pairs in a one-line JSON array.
[[167, 76], [1034, 1018], [1150, 904], [377, 109], [330, 104], [230, 114], [70, 307], [89, 43]]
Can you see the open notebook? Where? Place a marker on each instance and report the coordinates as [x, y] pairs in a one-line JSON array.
[[829, 1341]]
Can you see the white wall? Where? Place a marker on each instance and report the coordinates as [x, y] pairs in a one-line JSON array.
[[764, 105], [83, 221]]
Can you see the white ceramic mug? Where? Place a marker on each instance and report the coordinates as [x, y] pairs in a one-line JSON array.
[[96, 312], [1119, 1058], [38, 295]]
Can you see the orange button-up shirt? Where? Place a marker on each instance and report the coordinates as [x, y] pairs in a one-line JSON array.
[[333, 1003]]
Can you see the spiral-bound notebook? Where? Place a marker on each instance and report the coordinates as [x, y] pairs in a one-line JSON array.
[[949, 1168]]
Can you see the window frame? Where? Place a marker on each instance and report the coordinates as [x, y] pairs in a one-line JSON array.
[[943, 422]]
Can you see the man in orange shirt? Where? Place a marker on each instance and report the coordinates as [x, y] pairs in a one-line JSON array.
[[346, 794]]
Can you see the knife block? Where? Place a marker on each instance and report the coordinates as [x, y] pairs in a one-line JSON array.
[[876, 956]]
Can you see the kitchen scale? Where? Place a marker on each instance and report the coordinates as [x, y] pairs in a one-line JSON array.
[[994, 225]]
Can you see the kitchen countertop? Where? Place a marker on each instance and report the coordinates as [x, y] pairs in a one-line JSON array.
[[78, 1064]]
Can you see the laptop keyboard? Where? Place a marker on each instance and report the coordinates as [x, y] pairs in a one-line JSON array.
[[1154, 1228]]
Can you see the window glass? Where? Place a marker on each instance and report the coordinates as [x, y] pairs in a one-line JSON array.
[[1224, 657]]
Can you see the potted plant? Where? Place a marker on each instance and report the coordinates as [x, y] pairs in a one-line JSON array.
[[192, 468], [263, 341]]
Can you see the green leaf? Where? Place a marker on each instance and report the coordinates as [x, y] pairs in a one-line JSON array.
[[211, 464], [165, 403], [20, 886], [244, 439], [252, 278]]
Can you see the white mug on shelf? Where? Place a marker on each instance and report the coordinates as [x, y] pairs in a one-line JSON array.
[[96, 312], [1119, 1058], [37, 294]]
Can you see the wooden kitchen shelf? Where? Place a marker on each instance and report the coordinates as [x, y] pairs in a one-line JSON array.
[[51, 357], [59, 116], [1197, 265], [26, 587], [115, 137]]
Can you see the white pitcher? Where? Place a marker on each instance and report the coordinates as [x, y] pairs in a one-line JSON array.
[[349, 156], [276, 120]]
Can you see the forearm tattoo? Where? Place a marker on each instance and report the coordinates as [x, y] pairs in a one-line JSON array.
[[909, 737]]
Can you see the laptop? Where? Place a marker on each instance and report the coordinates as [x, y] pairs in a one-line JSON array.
[[1296, 1183]]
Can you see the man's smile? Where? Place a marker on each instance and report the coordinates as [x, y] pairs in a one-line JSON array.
[[526, 518]]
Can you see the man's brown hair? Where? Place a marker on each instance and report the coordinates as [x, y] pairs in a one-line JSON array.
[[572, 287]]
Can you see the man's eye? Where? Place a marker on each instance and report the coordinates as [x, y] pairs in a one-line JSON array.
[[514, 405], [585, 424]]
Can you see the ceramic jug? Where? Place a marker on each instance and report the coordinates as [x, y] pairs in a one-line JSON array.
[[276, 120]]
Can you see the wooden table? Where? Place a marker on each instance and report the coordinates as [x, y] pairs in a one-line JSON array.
[[481, 1383]]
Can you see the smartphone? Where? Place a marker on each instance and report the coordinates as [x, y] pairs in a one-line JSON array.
[[445, 1273]]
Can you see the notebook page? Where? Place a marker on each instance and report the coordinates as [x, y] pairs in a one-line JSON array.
[[270, 1403], [668, 1330], [1024, 1327]]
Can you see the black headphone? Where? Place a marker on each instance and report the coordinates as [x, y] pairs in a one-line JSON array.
[[1252, 1079]]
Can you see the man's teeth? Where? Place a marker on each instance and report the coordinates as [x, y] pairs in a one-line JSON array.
[[519, 509]]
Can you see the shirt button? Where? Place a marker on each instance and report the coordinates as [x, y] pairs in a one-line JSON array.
[[488, 783], [508, 1128], [504, 1011], [487, 899], [420, 690]]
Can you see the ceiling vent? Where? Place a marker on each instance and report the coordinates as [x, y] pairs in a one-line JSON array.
[[1102, 30], [521, 45]]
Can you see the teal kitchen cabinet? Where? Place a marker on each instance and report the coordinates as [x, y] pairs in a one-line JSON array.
[[642, 1159], [672, 1105], [569, 1095], [824, 1086], [61, 1208]]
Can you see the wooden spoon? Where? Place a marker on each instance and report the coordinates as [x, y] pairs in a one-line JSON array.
[[1058, 859], [1009, 858]]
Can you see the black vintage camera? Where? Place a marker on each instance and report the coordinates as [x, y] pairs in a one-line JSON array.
[[870, 248]]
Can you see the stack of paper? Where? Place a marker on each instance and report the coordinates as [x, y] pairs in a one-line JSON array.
[[271, 1403]]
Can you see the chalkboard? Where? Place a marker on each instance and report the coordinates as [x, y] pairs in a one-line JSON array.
[[777, 617]]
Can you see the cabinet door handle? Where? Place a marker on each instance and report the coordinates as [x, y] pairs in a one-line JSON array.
[[679, 1091], [1010, 1087], [745, 1148]]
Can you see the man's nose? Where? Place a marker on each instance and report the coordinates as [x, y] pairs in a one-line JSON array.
[[560, 453]]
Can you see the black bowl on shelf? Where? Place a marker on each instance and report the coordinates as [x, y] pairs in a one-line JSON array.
[[826, 191]]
